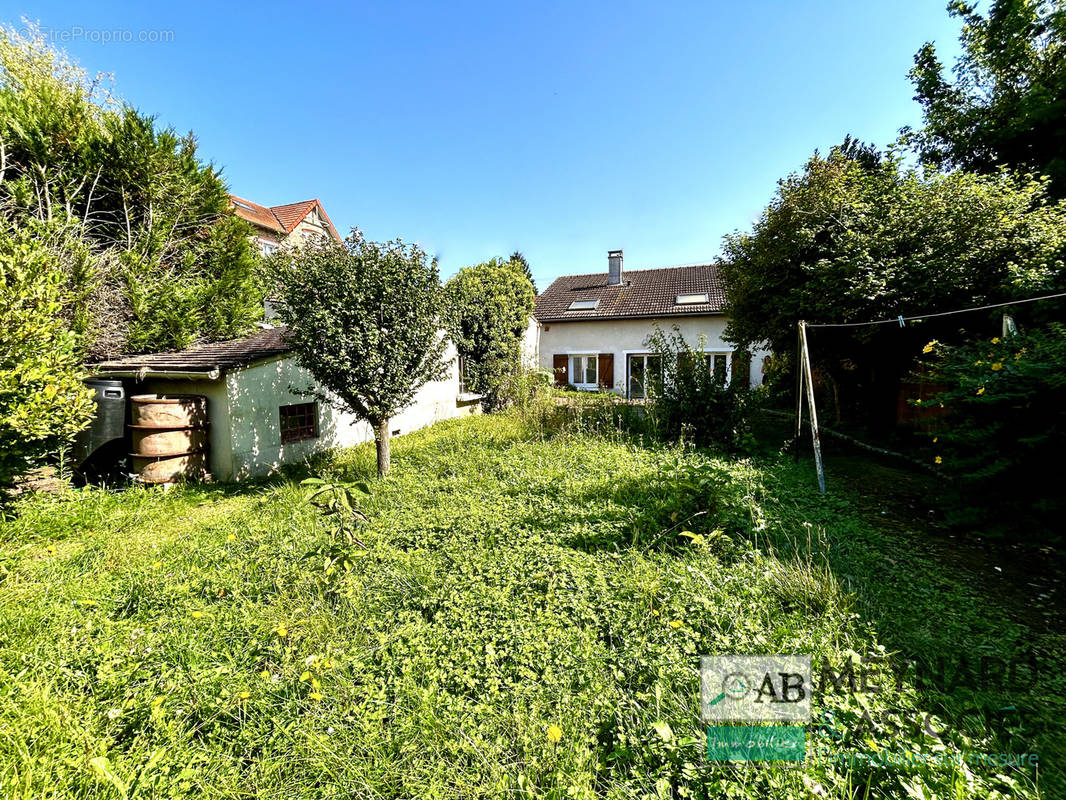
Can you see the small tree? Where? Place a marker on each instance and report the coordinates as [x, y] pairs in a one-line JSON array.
[[489, 306], [364, 320]]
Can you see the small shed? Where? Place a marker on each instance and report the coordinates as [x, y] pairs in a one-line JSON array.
[[261, 411]]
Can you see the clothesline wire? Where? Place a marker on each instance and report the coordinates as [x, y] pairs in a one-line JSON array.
[[901, 319]]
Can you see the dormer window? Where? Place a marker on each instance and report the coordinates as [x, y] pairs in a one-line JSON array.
[[583, 305], [692, 299]]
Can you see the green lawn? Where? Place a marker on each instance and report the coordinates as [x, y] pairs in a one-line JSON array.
[[210, 641]]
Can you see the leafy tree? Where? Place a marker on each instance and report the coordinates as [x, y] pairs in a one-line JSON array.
[[489, 306], [364, 320], [519, 259], [842, 242], [1007, 105], [155, 218], [43, 400]]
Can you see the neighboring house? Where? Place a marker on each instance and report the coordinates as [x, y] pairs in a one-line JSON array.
[[259, 413], [593, 329], [287, 224]]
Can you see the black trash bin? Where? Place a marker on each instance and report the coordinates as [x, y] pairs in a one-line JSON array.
[[101, 450]]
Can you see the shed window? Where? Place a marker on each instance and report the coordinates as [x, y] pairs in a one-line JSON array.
[[298, 422]]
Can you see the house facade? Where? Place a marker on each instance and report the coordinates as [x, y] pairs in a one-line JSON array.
[[261, 412], [291, 223], [592, 330]]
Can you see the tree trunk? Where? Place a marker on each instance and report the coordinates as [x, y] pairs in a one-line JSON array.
[[381, 438]]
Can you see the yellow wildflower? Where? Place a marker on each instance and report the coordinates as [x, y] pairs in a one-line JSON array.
[[676, 623], [306, 676], [327, 664], [938, 460], [197, 614], [244, 695], [929, 347], [157, 564], [282, 631], [265, 674], [978, 363], [51, 549], [231, 538], [995, 340], [555, 734], [315, 696], [936, 439], [981, 391], [997, 366]]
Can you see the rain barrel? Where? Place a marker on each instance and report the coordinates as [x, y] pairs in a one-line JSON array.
[[169, 436]]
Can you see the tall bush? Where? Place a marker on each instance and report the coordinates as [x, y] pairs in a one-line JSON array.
[[43, 400], [1004, 431], [690, 400], [171, 264], [489, 307]]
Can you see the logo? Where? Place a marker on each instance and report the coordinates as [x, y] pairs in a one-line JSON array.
[[773, 688]]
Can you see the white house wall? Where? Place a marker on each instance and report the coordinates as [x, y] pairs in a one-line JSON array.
[[255, 393], [622, 337]]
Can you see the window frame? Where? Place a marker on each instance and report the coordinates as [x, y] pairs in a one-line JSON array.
[[307, 413], [584, 385], [645, 356]]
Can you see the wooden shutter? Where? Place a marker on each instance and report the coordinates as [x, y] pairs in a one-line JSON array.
[[561, 366], [605, 370]]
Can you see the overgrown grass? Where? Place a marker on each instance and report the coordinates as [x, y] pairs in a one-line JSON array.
[[207, 641]]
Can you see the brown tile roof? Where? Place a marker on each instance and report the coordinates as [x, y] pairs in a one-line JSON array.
[[256, 214], [206, 357], [642, 293], [280, 219]]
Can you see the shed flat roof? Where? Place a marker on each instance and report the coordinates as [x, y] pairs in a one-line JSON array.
[[206, 358]]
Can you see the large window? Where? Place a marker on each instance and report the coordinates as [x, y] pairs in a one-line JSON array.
[[718, 364], [643, 369], [583, 371], [298, 422]]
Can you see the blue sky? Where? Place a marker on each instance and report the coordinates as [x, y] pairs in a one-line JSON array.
[[563, 129]]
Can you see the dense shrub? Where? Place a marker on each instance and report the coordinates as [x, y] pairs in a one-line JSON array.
[[690, 400], [1005, 430], [489, 306], [170, 264], [42, 397]]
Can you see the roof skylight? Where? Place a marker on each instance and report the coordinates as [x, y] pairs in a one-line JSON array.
[[692, 299], [583, 305]]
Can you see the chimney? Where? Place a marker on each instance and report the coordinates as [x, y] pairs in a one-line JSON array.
[[614, 267]]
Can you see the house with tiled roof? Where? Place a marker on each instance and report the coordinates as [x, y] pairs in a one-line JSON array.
[[290, 223], [592, 329]]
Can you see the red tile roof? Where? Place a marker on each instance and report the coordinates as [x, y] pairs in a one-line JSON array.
[[206, 357], [642, 293], [256, 214], [280, 219]]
